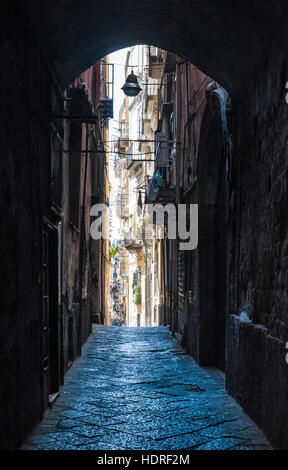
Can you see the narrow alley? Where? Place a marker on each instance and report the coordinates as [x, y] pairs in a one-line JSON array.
[[144, 235], [136, 389]]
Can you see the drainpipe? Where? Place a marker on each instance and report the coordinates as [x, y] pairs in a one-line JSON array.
[[81, 248]]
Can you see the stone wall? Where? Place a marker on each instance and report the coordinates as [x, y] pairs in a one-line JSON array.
[[256, 232], [257, 373], [24, 171], [30, 192]]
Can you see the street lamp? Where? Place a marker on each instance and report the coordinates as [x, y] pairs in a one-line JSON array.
[[131, 87]]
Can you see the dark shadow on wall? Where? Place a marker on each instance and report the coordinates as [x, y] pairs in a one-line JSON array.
[[212, 242]]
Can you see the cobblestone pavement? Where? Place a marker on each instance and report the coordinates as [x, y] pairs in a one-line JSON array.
[[136, 389]]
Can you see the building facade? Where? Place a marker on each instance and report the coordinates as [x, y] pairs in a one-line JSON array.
[[68, 266], [138, 119]]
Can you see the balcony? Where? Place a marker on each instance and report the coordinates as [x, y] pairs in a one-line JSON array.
[[161, 188], [155, 59], [80, 104], [125, 213], [123, 145], [166, 195], [131, 243], [133, 160], [106, 108]]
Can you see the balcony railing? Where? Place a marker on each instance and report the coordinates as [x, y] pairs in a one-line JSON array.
[[162, 161], [131, 242], [161, 188], [125, 213], [123, 145]]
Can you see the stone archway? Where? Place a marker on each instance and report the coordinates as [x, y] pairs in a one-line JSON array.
[[227, 41]]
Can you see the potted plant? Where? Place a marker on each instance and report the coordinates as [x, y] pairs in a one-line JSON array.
[[137, 295]]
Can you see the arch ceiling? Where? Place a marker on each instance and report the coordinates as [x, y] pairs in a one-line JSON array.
[[225, 39]]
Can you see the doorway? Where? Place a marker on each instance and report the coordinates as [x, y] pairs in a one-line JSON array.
[[50, 313]]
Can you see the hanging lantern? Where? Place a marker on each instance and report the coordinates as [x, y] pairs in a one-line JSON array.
[[131, 87]]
